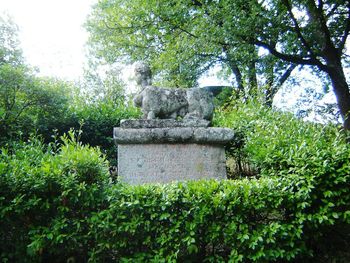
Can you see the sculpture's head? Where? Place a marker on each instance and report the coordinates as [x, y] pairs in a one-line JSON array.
[[143, 74]]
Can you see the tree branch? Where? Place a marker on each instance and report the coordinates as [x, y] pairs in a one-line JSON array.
[[285, 76], [320, 5], [235, 70], [207, 67], [130, 27], [28, 104], [195, 36], [14, 97], [346, 31], [291, 58], [298, 29], [324, 28], [218, 58]]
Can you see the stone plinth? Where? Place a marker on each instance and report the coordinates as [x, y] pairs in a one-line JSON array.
[[163, 163], [168, 150]]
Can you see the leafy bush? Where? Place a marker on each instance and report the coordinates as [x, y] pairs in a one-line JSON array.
[[317, 155], [240, 221], [46, 195], [29, 104], [58, 204], [98, 120]]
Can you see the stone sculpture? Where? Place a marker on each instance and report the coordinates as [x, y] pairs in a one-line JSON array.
[[174, 141], [161, 103]]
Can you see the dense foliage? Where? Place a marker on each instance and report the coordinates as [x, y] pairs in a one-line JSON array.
[[47, 194], [98, 119], [258, 42], [58, 202], [27, 102], [47, 106], [278, 144]]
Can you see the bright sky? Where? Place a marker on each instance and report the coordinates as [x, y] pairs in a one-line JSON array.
[[51, 33]]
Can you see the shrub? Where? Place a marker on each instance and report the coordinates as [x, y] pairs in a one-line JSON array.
[[46, 195], [317, 155], [236, 221], [98, 120], [30, 104], [58, 204]]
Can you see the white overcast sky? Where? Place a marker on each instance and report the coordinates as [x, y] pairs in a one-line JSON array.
[[51, 33]]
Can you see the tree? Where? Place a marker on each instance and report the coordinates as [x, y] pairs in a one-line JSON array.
[[103, 82], [182, 40], [27, 103], [187, 37], [302, 32], [10, 52]]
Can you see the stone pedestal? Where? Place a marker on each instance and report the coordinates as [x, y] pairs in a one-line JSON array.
[[162, 151]]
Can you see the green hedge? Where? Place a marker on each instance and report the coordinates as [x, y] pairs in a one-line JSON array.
[[58, 204], [278, 144], [98, 120], [239, 221], [46, 194]]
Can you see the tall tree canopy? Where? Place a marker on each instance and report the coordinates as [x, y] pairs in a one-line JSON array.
[[184, 38]]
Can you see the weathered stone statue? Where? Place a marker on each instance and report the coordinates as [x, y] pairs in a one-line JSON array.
[[161, 103], [173, 141]]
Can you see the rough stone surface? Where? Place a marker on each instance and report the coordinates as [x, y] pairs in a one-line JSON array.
[[200, 104], [163, 123], [213, 135], [173, 135], [163, 163], [161, 103], [143, 74], [164, 103]]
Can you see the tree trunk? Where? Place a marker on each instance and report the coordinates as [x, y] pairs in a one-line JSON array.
[[269, 94], [273, 86], [252, 79], [341, 90], [269, 91], [237, 73]]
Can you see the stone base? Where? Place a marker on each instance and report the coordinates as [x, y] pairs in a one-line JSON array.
[[163, 163], [162, 151]]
